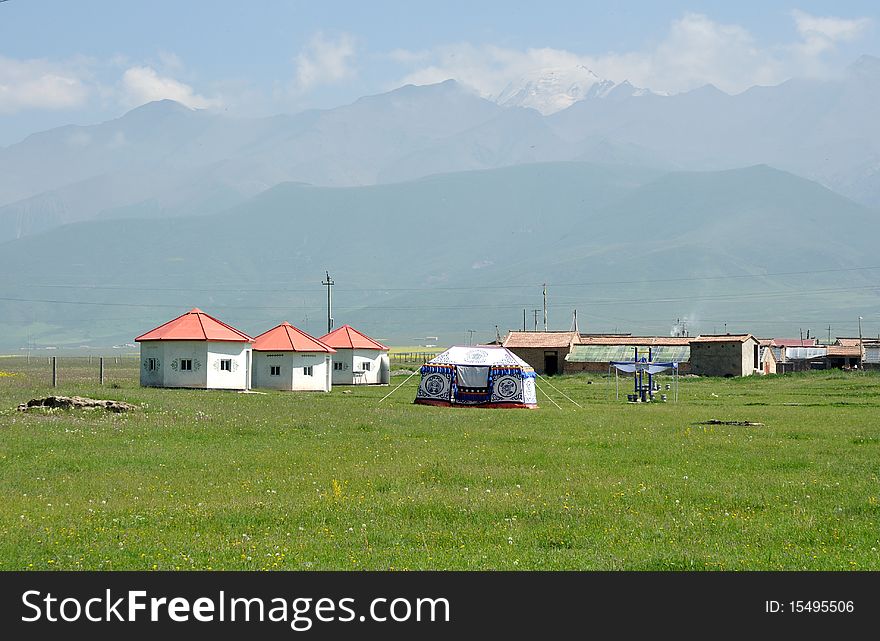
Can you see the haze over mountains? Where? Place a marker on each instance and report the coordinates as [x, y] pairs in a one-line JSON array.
[[591, 184], [444, 254]]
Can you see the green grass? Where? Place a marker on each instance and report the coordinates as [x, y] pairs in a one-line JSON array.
[[200, 479]]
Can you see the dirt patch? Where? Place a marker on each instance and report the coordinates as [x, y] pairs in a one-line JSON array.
[[75, 403]]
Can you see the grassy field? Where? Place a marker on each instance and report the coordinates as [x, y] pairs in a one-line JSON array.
[[202, 480]]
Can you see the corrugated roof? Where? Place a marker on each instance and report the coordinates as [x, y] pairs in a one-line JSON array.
[[723, 338], [848, 342], [287, 338], [637, 340], [850, 351], [347, 337], [195, 325], [608, 353], [540, 339]]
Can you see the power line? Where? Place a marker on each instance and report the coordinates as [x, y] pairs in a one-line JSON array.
[[617, 301], [281, 288]]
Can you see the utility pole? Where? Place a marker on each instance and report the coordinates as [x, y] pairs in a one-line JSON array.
[[536, 318], [829, 334], [861, 352], [497, 335], [524, 320], [471, 336], [545, 307], [329, 284]]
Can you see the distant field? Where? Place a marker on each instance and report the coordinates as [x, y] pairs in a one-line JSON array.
[[199, 480]]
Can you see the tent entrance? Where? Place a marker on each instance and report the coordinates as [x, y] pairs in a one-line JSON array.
[[472, 377]]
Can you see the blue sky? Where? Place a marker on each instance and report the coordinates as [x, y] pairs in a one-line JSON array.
[[84, 61]]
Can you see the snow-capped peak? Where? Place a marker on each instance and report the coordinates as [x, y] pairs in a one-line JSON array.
[[550, 90]]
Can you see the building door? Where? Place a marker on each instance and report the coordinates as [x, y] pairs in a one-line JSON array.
[[551, 359]]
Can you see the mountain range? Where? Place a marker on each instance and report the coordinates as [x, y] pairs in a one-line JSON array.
[[163, 159], [420, 200], [629, 248]]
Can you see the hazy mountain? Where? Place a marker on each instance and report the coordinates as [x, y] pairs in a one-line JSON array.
[[553, 89], [824, 130], [441, 255], [170, 160], [164, 159]]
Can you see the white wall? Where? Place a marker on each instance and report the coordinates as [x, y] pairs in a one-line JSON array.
[[205, 356], [353, 360], [240, 354], [342, 359], [293, 375], [152, 350]]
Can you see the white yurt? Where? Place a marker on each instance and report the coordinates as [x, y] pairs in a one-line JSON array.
[[477, 376]]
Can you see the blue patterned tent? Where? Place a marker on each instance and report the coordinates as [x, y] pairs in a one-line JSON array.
[[479, 376]]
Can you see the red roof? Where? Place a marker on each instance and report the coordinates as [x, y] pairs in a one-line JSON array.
[[286, 338], [541, 339], [640, 341], [347, 337], [195, 325], [795, 342]]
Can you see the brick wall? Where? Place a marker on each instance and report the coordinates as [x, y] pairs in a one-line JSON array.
[[722, 359], [534, 356]]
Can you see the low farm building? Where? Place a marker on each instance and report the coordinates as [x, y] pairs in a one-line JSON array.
[[546, 352], [359, 360], [725, 355], [595, 353], [287, 358], [871, 357], [801, 359], [195, 350], [767, 356]]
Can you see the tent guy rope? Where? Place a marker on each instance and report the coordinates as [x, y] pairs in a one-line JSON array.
[[399, 386], [560, 391]]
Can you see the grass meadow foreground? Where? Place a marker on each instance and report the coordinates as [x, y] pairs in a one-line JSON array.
[[221, 480]]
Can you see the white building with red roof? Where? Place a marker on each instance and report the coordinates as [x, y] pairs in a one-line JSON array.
[[287, 358], [359, 360], [195, 350]]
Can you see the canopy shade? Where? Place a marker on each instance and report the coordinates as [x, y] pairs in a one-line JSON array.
[[651, 368]]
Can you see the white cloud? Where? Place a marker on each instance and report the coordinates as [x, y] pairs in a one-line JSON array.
[[142, 84], [695, 51], [41, 84], [325, 61], [822, 33]]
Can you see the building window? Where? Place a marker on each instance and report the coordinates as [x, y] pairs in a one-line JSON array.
[[186, 364], [307, 371], [275, 370], [367, 366], [225, 364], [337, 367], [152, 364]]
